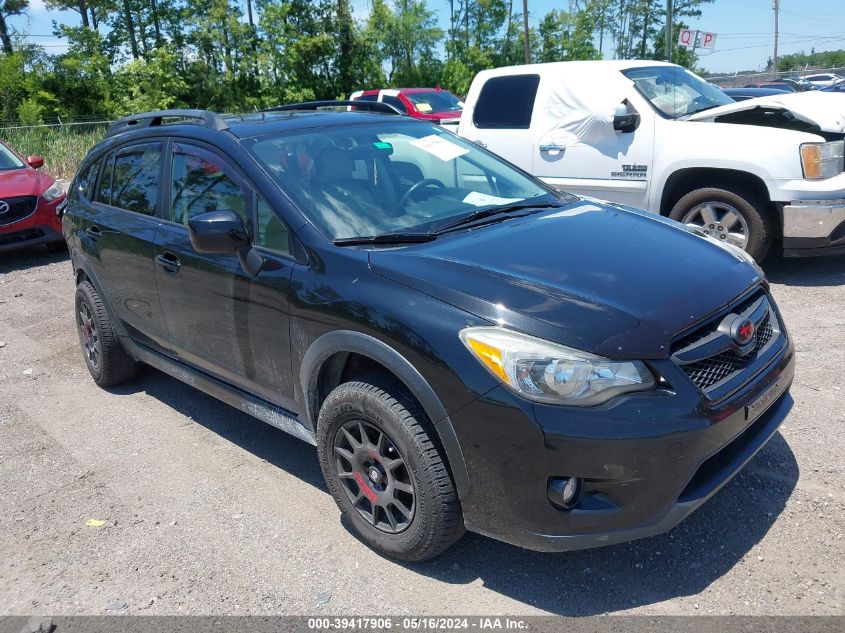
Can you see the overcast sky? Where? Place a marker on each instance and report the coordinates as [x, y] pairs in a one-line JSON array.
[[744, 28]]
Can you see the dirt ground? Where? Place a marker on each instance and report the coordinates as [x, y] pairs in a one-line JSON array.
[[208, 511]]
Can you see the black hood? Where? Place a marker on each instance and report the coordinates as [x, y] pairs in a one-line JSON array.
[[598, 277]]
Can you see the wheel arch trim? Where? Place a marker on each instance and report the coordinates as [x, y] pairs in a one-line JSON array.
[[673, 188], [348, 341]]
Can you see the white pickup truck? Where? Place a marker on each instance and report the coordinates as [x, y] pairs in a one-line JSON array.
[[654, 135]]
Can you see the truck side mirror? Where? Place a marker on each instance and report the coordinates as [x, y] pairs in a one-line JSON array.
[[626, 122]]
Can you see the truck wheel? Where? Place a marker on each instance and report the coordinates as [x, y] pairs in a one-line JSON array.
[[730, 214], [107, 361], [385, 471]]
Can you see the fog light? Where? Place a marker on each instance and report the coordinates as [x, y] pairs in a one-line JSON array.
[[566, 492]]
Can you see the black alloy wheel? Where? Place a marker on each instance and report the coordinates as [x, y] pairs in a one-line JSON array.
[[375, 476], [106, 359], [88, 335]]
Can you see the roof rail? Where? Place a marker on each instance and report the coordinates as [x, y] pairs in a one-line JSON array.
[[205, 118], [374, 106]]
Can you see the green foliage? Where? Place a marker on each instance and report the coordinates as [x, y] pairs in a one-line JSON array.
[[153, 84], [63, 147], [799, 61], [407, 36], [133, 55], [566, 36]]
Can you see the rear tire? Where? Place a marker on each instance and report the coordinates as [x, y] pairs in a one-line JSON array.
[[107, 361], [385, 470], [707, 207]]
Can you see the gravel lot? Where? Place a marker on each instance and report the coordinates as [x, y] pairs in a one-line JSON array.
[[208, 511]]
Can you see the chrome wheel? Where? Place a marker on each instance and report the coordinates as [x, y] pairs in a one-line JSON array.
[[88, 334], [375, 477], [720, 220]]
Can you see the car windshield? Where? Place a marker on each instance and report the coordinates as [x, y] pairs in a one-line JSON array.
[[435, 101], [388, 177], [676, 92], [8, 159]]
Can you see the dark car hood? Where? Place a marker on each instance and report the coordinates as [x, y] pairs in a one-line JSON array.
[[23, 182], [598, 277]]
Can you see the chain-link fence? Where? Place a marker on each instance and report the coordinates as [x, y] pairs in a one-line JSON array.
[[739, 80], [62, 143]]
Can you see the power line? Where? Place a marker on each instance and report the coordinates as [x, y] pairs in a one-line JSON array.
[[798, 41]]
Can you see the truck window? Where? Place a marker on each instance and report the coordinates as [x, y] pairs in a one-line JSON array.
[[396, 102], [506, 102]]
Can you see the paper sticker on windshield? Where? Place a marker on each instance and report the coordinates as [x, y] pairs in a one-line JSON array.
[[424, 107], [479, 199], [439, 147], [383, 145]]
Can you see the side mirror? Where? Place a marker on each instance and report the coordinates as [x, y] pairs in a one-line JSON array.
[[36, 162], [217, 232], [223, 232], [626, 122]]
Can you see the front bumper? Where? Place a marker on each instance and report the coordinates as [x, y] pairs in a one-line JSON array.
[[43, 226], [646, 462], [814, 227]]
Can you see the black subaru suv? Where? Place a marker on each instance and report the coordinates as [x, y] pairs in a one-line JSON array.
[[465, 346]]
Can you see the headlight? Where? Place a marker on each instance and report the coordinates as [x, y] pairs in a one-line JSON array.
[[548, 372], [823, 160], [54, 192]]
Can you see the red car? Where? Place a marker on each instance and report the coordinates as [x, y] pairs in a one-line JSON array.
[[30, 203], [431, 104]]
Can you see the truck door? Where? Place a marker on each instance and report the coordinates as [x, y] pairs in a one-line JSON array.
[[500, 118], [584, 154]]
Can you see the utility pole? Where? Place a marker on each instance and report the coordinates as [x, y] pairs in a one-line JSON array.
[[525, 25], [668, 44], [776, 9]]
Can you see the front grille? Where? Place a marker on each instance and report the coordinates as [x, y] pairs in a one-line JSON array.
[[14, 209], [710, 358], [708, 372]]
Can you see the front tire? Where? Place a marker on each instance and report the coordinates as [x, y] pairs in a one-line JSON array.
[[729, 214], [385, 470], [107, 361]]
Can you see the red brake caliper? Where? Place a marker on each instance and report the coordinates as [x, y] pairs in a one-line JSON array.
[[368, 492]]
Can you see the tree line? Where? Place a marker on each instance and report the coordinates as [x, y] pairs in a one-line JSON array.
[[821, 59], [133, 55]]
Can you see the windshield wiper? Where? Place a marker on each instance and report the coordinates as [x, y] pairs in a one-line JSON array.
[[504, 210], [386, 238]]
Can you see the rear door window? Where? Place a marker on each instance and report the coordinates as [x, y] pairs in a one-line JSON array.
[[103, 192], [86, 180], [506, 102], [134, 183]]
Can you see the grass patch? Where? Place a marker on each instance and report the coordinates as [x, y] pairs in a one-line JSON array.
[[63, 148]]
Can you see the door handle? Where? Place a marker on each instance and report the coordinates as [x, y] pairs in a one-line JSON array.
[[552, 147], [169, 262], [480, 143], [94, 232]]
